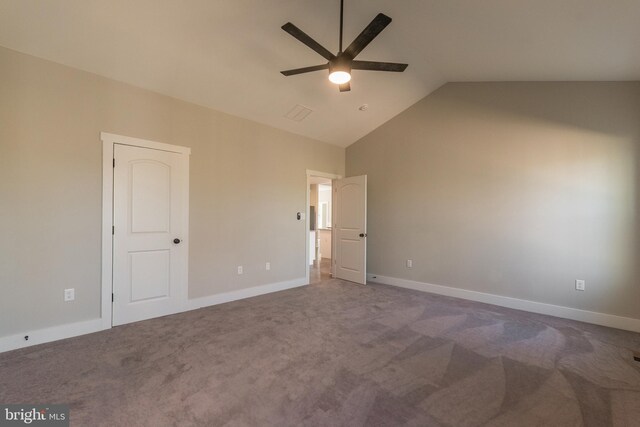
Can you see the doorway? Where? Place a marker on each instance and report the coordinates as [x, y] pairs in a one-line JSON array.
[[320, 235], [319, 230]]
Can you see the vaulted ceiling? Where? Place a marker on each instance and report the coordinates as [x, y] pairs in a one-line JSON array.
[[227, 54]]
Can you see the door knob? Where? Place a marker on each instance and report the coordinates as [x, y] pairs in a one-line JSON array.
[[363, 234], [176, 241]]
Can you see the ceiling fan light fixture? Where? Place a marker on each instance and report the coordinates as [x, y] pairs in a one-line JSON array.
[[339, 70], [339, 77]]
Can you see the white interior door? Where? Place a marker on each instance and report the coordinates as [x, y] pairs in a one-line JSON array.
[[150, 236], [350, 228]]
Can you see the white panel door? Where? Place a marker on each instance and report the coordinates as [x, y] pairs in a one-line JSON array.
[[350, 228], [150, 239]]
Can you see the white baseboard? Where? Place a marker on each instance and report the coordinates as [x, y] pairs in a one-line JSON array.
[[602, 319], [196, 303], [53, 333]]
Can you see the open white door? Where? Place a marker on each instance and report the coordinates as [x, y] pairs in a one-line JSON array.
[[350, 228], [149, 240]]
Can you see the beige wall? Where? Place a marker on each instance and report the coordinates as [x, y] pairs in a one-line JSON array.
[[51, 117], [515, 189]]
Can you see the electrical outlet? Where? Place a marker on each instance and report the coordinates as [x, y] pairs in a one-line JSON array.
[[267, 266], [580, 285], [240, 271], [409, 263], [69, 294]]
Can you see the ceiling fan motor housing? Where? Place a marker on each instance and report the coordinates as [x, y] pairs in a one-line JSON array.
[[342, 62]]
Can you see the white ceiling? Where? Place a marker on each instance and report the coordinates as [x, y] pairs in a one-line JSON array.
[[227, 54]]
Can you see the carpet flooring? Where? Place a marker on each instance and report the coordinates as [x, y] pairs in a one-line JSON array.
[[337, 354]]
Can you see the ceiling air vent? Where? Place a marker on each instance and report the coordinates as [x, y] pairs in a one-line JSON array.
[[298, 113]]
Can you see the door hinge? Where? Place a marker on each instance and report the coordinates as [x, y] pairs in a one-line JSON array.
[[113, 230], [112, 298], [114, 163]]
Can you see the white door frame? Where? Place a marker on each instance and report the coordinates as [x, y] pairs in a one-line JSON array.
[[311, 173], [108, 142]]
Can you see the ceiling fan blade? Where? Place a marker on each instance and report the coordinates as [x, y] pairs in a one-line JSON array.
[[378, 66], [306, 39], [345, 87], [304, 70], [364, 38]]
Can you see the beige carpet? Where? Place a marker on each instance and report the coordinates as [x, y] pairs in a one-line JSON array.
[[333, 354]]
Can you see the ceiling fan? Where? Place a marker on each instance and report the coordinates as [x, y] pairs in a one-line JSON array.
[[341, 65]]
